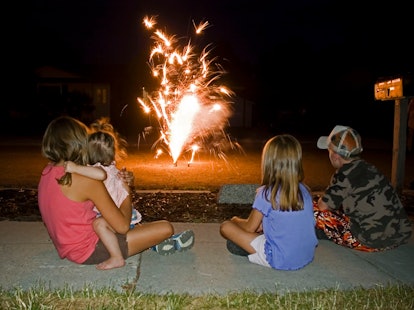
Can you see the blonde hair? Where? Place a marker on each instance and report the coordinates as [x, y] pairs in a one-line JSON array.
[[65, 139], [105, 145], [282, 171]]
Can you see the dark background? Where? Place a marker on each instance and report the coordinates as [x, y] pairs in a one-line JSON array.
[[307, 64]]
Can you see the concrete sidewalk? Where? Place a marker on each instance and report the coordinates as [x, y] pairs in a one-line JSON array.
[[29, 259]]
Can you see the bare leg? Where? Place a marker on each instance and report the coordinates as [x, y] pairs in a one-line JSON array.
[[146, 235], [110, 241], [233, 232]]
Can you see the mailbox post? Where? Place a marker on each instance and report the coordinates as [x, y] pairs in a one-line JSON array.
[[398, 89]]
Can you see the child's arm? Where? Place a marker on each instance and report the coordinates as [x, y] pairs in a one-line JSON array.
[[252, 224], [96, 173]]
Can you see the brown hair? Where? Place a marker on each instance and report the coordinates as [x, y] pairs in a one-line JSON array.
[[282, 171], [65, 139], [105, 145]]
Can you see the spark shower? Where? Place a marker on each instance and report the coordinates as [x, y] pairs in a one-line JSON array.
[[191, 106]]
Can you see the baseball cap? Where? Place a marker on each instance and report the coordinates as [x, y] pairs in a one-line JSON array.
[[343, 140]]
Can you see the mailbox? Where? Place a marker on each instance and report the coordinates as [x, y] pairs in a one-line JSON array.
[[394, 88]]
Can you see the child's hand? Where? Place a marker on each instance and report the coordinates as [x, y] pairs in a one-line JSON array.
[[127, 176], [69, 166]]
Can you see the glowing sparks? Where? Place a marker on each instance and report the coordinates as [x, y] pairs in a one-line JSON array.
[[194, 149], [182, 124], [158, 153], [190, 106], [201, 27], [149, 22]]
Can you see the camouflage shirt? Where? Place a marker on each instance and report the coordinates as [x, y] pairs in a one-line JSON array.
[[377, 216]]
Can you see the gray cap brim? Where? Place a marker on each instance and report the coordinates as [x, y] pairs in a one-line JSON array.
[[323, 143]]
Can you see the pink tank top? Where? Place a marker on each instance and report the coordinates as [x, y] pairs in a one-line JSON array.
[[69, 223]]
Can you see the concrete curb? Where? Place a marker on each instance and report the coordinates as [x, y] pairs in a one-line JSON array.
[[30, 260]]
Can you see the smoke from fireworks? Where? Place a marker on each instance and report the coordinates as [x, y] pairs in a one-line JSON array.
[[191, 107]]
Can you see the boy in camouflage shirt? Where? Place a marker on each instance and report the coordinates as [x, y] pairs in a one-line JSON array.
[[359, 209]]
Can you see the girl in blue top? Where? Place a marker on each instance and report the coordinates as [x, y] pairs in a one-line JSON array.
[[280, 230]]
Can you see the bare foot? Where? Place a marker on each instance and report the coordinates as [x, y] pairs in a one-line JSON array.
[[111, 263]]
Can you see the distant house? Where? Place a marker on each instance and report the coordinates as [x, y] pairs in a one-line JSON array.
[[61, 92]]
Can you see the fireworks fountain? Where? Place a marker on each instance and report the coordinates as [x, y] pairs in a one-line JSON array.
[[191, 107]]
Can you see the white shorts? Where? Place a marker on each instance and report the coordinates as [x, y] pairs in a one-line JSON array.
[[259, 257]]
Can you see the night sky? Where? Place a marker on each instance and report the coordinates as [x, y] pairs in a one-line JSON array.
[[111, 31], [323, 56]]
